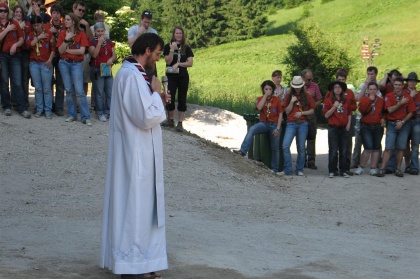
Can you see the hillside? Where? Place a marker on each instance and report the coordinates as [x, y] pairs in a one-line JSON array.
[[228, 76]]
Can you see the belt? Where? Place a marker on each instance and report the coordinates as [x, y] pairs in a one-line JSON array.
[[71, 60], [371, 125], [337, 127], [394, 122]]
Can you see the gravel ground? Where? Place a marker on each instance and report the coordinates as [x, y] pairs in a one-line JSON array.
[[227, 216]]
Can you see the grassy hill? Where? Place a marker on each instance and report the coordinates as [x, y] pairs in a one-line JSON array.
[[228, 76]]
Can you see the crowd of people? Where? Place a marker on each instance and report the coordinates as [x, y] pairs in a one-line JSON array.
[[59, 52], [390, 105]]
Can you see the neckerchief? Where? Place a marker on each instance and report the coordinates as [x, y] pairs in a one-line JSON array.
[[267, 107], [139, 67], [102, 45]]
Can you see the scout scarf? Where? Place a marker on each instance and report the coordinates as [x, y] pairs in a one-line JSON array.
[[133, 61]]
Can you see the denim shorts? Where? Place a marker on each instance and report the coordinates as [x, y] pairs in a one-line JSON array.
[[397, 139], [371, 136]]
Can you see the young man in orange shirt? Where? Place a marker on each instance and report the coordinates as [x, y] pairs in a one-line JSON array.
[[400, 107]]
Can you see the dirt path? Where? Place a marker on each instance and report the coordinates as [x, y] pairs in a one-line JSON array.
[[228, 217]]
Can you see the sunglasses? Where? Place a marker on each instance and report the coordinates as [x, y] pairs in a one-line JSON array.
[[81, 10], [147, 13], [35, 4], [3, 11]]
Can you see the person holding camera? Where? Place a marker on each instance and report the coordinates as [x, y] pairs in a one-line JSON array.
[[299, 106], [178, 57]]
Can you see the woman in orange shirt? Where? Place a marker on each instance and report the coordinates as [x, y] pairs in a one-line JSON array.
[[41, 44], [338, 112], [371, 107]]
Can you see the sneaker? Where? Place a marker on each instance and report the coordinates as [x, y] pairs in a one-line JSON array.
[[350, 173], [71, 119], [344, 174], [331, 175], [299, 173], [26, 114], [399, 173], [59, 113], [359, 170], [373, 172], [87, 122], [169, 123], [7, 112], [38, 114], [48, 116], [281, 173], [381, 173], [179, 127], [103, 118]]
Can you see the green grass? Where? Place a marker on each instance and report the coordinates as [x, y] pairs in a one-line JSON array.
[[228, 76]]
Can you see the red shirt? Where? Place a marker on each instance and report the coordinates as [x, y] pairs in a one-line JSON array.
[[271, 109], [45, 47], [372, 111], [402, 111], [12, 37], [298, 107], [105, 52], [313, 90], [339, 118], [60, 28], [416, 100], [80, 40], [26, 31], [349, 95]]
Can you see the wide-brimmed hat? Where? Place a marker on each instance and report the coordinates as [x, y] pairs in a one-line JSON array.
[[412, 76], [297, 82], [342, 85], [49, 2], [4, 5]]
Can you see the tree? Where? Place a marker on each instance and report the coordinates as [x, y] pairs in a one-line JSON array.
[[316, 51]]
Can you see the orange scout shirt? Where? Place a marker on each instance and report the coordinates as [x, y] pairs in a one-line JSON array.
[[349, 95], [402, 111], [41, 51], [80, 40], [372, 111], [12, 37], [298, 107], [339, 118], [271, 109]]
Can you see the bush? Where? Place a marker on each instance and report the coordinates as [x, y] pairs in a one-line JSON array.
[[122, 50]]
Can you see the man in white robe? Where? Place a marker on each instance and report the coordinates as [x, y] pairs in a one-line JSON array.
[[133, 230]]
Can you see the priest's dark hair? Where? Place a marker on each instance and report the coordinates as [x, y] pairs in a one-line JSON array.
[[146, 40]]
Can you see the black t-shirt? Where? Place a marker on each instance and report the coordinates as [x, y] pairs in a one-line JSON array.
[[184, 56]]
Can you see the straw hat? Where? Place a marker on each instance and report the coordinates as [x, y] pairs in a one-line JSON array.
[[297, 82]]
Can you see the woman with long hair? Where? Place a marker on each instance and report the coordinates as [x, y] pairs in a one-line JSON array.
[[271, 111], [20, 16], [178, 57], [338, 112], [42, 50], [298, 105], [71, 45], [371, 131]]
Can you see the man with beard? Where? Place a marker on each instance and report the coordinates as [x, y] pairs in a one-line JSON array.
[[133, 231]]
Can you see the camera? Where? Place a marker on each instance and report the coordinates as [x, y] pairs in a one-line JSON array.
[[170, 70]]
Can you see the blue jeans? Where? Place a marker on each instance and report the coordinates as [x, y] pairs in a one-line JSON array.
[[41, 77], [337, 149], [72, 74], [415, 140], [397, 139], [260, 128], [371, 136], [102, 86], [300, 130], [11, 67]]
